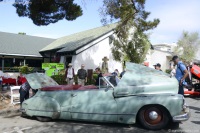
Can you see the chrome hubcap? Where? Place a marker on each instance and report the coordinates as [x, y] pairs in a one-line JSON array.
[[153, 115]]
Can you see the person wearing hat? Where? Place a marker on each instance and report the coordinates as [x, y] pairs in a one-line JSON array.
[[82, 75], [181, 73], [105, 65], [69, 75], [157, 66]]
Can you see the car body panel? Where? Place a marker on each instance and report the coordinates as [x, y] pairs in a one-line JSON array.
[[109, 103], [140, 79], [101, 106]]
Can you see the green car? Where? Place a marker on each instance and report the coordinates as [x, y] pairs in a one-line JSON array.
[[142, 95]]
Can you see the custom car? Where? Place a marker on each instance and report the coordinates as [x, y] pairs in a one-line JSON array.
[[143, 95]]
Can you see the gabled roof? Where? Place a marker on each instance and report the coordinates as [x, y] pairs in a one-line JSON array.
[[22, 45], [78, 40]]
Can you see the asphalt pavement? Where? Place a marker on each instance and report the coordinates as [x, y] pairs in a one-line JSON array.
[[14, 123]]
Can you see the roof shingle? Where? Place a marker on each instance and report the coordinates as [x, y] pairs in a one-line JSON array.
[[24, 45], [78, 40]]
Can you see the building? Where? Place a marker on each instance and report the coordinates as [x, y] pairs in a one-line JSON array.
[[17, 49], [162, 53], [87, 47]]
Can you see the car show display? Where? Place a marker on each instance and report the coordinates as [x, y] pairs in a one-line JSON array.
[[142, 95]]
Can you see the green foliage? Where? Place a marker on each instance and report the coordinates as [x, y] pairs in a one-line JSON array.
[[131, 43], [92, 81], [134, 50], [25, 69], [187, 46], [168, 71], [22, 33], [44, 12], [60, 79]]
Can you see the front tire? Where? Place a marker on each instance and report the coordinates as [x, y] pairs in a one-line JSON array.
[[43, 119], [153, 117]]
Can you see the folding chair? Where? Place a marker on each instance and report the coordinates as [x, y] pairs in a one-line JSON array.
[[14, 94]]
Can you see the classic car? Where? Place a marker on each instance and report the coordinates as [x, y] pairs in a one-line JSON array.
[[142, 95]]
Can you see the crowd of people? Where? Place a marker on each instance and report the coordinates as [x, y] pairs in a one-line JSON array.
[[82, 75]]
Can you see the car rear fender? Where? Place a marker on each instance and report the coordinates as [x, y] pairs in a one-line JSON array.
[[42, 106]]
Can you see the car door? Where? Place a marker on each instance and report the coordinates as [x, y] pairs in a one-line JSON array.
[[65, 102], [94, 105]]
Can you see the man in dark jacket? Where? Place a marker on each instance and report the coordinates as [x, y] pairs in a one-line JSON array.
[[82, 75], [24, 92], [98, 71]]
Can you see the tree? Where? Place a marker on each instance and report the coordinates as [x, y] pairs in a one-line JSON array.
[[44, 12], [187, 46], [128, 45]]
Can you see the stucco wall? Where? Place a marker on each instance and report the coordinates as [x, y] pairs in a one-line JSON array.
[[160, 57], [92, 57]]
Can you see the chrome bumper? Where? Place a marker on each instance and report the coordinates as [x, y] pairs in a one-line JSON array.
[[184, 116]]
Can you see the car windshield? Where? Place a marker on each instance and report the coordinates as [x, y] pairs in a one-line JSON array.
[[108, 81]]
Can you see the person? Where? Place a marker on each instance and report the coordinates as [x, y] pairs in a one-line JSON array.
[[122, 73], [98, 71], [181, 74], [24, 92], [82, 75], [157, 66], [173, 72], [21, 79], [116, 72], [105, 65], [1, 78], [69, 75]]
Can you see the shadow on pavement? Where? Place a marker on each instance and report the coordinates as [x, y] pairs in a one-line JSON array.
[[89, 127], [196, 122], [194, 108]]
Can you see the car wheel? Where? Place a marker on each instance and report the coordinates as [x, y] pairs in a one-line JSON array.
[[43, 119], [153, 117]]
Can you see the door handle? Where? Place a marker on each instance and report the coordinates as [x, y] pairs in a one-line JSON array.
[[73, 95]]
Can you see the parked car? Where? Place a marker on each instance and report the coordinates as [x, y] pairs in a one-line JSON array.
[[142, 95]]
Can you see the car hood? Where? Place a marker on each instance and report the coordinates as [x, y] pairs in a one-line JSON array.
[[39, 80], [139, 79]]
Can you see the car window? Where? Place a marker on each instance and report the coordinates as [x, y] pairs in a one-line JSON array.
[[103, 83]]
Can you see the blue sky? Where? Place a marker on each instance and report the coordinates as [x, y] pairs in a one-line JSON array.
[[175, 16]]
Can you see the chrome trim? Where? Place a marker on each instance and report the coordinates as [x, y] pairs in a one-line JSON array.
[[41, 110], [182, 117], [153, 115], [102, 113]]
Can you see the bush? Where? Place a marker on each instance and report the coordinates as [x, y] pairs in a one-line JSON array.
[[25, 69], [168, 71], [92, 81], [60, 79]]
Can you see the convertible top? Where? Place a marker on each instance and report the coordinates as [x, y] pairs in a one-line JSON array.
[[68, 87]]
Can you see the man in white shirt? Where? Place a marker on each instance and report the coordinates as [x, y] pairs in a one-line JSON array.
[[69, 74], [1, 78]]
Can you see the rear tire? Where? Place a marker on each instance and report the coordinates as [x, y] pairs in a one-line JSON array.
[[153, 117], [43, 119]]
